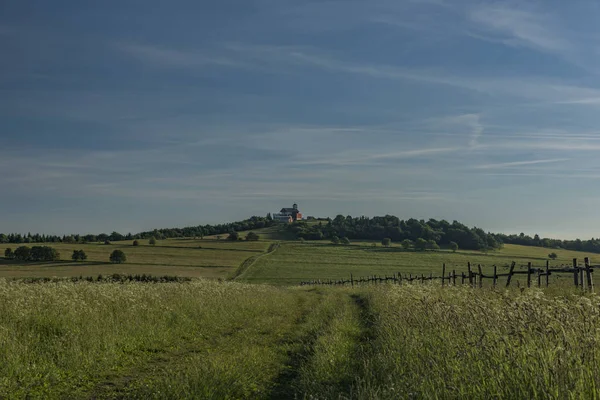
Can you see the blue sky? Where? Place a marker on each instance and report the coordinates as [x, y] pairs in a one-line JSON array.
[[131, 115]]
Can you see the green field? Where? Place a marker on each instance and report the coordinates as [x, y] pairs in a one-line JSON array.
[[182, 257], [294, 262], [226, 340]]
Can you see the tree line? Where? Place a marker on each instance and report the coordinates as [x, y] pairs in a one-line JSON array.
[[416, 233], [160, 234]]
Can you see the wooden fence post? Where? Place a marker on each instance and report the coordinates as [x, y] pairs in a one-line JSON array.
[[539, 277], [480, 275], [444, 274], [575, 273], [352, 280], [462, 278], [495, 277], [588, 273], [547, 273], [470, 274], [510, 273], [453, 277], [529, 274], [581, 282]]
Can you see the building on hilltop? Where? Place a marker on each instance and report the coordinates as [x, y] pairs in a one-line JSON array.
[[288, 214]]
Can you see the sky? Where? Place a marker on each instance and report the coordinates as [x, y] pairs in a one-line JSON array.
[[134, 115]]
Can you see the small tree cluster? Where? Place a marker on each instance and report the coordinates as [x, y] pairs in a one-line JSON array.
[[152, 241], [553, 256], [136, 243], [406, 244], [233, 236], [386, 242], [252, 236], [118, 257], [335, 240], [36, 253], [8, 254], [79, 255]]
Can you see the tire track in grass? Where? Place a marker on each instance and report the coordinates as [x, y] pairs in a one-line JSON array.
[[326, 361], [247, 263]]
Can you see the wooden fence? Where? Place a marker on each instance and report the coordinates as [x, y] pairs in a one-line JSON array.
[[582, 276]]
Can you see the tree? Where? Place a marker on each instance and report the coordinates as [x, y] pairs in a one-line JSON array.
[[453, 246], [8, 253], [421, 244], [345, 240], [553, 256], [118, 257], [252, 236], [44, 253], [152, 241], [22, 253], [233, 236], [406, 244], [432, 245], [386, 242], [335, 240], [79, 255], [136, 243], [107, 242]]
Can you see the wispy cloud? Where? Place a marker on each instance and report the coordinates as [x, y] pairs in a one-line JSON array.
[[169, 57], [520, 26], [520, 163]]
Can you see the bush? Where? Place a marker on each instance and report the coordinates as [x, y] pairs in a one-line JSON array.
[[79, 255], [302, 240], [553, 256], [233, 236], [8, 254], [152, 241], [136, 243], [252, 236], [23, 253], [406, 244], [432, 245], [421, 244], [453, 246], [335, 240], [107, 242], [345, 240], [386, 242], [118, 257]]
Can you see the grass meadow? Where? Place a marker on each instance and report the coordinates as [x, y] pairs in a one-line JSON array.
[[229, 340], [294, 262], [182, 257]]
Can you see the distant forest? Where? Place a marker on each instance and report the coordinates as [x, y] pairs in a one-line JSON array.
[[354, 228]]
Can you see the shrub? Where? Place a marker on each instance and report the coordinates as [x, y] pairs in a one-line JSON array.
[[23, 253], [252, 236], [406, 244], [136, 243], [152, 241], [79, 255], [553, 256], [453, 246], [8, 253], [118, 257], [421, 244], [432, 245], [233, 236], [345, 240], [335, 240], [386, 242], [107, 242]]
